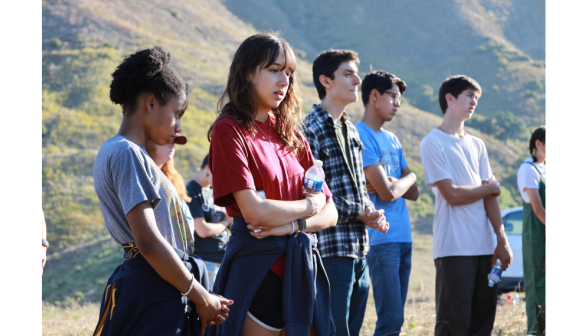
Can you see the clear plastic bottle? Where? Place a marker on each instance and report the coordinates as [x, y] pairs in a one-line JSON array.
[[495, 273], [314, 178], [515, 299]]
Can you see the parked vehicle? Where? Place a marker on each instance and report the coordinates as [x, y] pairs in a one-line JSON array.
[[512, 278]]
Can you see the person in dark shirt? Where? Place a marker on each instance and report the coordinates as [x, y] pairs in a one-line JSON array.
[[211, 223]]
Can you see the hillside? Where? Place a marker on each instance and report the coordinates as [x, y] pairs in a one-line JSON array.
[[501, 43], [83, 42]]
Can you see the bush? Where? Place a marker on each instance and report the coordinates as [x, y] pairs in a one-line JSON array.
[[55, 43]]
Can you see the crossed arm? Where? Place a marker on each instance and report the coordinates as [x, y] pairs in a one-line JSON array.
[[489, 192], [388, 187]]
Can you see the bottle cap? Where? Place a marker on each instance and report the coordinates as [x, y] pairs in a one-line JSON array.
[[318, 163], [490, 283]]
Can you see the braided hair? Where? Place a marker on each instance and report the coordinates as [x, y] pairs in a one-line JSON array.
[[538, 134], [145, 71]]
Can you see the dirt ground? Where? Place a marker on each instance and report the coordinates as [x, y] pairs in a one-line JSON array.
[[74, 318]]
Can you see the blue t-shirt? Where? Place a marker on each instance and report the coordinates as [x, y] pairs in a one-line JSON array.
[[385, 149]]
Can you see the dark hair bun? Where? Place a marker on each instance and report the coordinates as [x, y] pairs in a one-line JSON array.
[[145, 70]]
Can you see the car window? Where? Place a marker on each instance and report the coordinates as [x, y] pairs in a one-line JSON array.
[[513, 223]]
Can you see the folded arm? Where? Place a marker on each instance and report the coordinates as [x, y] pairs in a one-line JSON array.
[[204, 229], [273, 213], [390, 189], [461, 195]]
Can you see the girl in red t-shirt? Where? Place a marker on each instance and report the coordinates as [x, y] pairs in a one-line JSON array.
[[258, 157]]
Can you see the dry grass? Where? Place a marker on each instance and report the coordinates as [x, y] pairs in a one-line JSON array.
[[80, 319]]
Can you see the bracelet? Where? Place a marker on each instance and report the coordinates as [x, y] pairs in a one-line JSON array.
[[311, 206], [293, 229], [191, 282]]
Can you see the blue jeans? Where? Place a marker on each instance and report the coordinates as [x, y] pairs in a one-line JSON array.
[[349, 284], [389, 271]]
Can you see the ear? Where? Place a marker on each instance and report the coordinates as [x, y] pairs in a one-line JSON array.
[[449, 98], [325, 81], [374, 95], [150, 103]]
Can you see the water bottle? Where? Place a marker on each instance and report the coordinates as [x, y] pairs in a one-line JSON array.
[[515, 299], [495, 272], [314, 178]]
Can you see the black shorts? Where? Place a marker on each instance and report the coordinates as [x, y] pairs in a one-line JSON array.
[[266, 306]]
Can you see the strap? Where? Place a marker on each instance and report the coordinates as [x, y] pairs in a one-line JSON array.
[[533, 164]]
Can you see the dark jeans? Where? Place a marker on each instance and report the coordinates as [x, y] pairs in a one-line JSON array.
[[389, 265], [350, 286], [465, 303]]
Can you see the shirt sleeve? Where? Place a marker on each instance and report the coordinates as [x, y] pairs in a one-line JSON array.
[[530, 178], [368, 152], [434, 163], [133, 180], [228, 163]]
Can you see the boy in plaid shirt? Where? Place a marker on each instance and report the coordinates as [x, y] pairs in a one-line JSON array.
[[335, 140]]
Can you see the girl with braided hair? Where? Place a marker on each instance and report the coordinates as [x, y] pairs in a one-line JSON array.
[[531, 181], [158, 289]]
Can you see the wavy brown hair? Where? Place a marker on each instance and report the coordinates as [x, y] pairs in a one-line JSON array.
[[239, 100], [169, 169]]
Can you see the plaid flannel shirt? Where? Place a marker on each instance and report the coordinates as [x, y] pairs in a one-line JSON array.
[[349, 238]]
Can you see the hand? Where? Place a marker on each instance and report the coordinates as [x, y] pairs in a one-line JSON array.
[[375, 219], [319, 200], [502, 252], [282, 230], [212, 310], [495, 186], [43, 258]]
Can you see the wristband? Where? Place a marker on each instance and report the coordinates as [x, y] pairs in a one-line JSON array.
[[311, 206], [292, 229], [191, 282]]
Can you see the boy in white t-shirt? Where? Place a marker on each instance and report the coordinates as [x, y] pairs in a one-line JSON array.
[[466, 211]]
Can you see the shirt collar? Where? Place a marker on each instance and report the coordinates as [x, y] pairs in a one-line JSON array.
[[323, 115]]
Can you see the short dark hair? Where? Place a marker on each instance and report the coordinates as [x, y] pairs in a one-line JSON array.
[[145, 71], [381, 81], [456, 85], [327, 62], [538, 134], [204, 162]]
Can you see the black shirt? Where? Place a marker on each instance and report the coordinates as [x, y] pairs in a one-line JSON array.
[[202, 205]]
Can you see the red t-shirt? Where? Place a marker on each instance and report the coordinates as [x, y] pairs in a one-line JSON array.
[[238, 160]]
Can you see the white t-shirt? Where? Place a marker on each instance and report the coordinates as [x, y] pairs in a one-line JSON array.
[[527, 177], [460, 230]]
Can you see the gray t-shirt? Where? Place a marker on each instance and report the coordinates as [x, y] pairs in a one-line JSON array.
[[124, 176]]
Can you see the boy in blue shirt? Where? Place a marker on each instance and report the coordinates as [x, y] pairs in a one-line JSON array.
[[390, 182]]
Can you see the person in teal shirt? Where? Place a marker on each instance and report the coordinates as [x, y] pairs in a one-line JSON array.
[[390, 182]]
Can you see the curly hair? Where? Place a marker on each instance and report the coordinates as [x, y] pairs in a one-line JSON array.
[[145, 71], [239, 100]]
